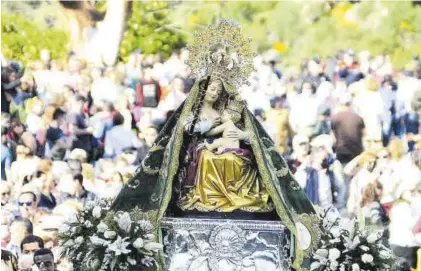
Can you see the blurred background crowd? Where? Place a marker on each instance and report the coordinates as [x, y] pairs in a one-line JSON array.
[[72, 131], [348, 127]]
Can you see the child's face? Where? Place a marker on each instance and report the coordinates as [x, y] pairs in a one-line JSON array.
[[225, 117]]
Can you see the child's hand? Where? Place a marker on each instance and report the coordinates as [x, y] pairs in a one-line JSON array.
[[217, 122]]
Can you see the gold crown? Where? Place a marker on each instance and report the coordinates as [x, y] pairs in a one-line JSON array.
[[222, 51]]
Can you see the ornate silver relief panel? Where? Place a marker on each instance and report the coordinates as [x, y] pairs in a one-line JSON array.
[[225, 245]]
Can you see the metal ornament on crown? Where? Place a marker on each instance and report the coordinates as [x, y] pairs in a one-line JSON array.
[[223, 52]]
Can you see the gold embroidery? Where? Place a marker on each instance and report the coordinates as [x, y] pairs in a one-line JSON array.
[[149, 170], [311, 222], [266, 176], [133, 183], [273, 188], [223, 52], [173, 161], [282, 172]]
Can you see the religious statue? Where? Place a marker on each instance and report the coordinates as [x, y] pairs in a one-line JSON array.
[[213, 159]]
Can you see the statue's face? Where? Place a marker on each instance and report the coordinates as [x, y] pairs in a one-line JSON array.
[[213, 91]]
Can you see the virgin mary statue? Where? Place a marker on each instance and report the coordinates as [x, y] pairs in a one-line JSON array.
[[213, 159]]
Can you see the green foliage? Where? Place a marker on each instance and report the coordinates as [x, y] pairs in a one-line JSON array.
[[319, 28], [149, 30], [23, 40]]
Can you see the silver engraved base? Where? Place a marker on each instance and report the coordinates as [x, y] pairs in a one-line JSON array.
[[225, 245]]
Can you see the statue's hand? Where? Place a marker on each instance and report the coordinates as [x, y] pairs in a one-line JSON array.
[[217, 122], [237, 134]]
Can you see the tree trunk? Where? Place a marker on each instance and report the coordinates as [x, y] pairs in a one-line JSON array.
[[96, 36]]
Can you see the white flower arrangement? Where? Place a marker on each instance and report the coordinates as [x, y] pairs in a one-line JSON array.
[[349, 246], [100, 239]]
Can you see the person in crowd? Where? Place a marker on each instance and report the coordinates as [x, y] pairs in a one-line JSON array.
[[349, 68], [109, 184], [44, 260], [408, 84], [371, 210], [404, 215], [148, 90], [107, 88], [54, 132], [43, 183], [25, 91], [102, 120], [278, 116], [322, 125], [275, 70], [369, 105], [130, 155], [304, 109], [148, 137], [119, 138], [123, 107], [72, 188], [318, 181], [30, 244], [315, 74], [26, 162], [59, 166], [77, 163], [175, 96], [34, 121], [300, 157], [6, 155], [19, 229], [260, 115], [78, 126], [412, 120], [364, 176], [5, 195], [348, 130], [391, 119], [387, 178], [328, 168], [6, 219], [9, 261], [27, 202]]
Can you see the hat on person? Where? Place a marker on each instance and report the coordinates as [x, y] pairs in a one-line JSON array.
[[299, 139], [324, 141]]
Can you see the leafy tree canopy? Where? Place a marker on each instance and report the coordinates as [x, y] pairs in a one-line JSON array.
[[149, 30], [23, 40]]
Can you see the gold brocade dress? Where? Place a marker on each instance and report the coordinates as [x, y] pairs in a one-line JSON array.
[[226, 182]]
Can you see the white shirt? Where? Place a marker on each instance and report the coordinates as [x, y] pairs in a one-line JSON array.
[[173, 100], [304, 111], [105, 89], [402, 221], [34, 123], [370, 107], [325, 190]]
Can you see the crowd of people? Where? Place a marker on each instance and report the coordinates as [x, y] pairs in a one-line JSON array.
[[348, 127]]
